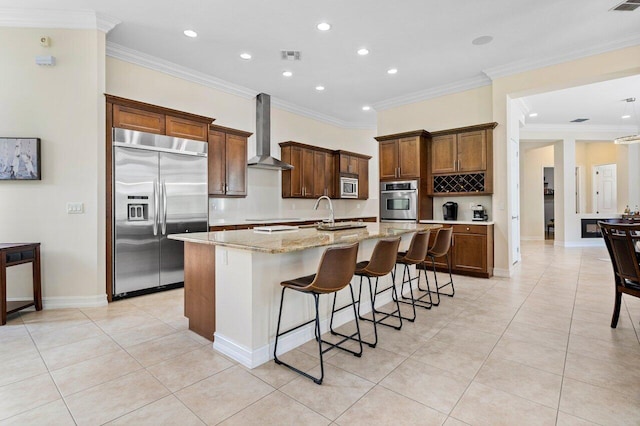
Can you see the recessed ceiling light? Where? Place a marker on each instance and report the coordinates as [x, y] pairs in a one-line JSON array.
[[392, 71], [626, 116], [245, 56], [319, 88], [190, 33], [533, 114], [366, 108], [363, 51], [323, 26], [482, 40], [287, 73]]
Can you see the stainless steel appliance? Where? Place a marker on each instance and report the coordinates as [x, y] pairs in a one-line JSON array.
[[450, 211], [399, 200], [479, 213], [160, 188], [348, 187]]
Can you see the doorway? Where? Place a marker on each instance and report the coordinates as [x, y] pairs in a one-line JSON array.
[[548, 185]]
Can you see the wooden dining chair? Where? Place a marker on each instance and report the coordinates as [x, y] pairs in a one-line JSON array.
[[623, 244]]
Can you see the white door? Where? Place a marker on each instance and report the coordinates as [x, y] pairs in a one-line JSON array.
[[605, 185], [515, 200]]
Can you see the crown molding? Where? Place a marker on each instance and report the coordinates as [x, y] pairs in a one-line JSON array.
[[154, 63], [46, 18], [532, 64], [579, 128], [434, 92]]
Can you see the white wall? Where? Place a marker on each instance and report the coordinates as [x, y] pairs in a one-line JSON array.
[[63, 106], [264, 186]]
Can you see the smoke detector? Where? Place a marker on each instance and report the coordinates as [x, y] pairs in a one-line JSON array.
[[627, 6], [292, 55]]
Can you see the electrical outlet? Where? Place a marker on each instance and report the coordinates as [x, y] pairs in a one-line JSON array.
[[75, 208], [471, 205]]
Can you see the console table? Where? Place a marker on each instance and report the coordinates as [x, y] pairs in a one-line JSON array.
[[17, 254]]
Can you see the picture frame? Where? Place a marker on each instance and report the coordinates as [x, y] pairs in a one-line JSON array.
[[20, 159]]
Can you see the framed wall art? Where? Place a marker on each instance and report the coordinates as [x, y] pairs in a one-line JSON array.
[[20, 159]]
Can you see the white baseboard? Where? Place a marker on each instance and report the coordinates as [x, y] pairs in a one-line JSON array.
[[590, 242], [74, 302], [253, 359], [531, 238], [502, 273]]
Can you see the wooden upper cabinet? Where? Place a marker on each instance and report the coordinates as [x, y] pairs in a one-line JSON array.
[[443, 154], [389, 159], [463, 150], [409, 158], [137, 119], [316, 171], [472, 151], [363, 178], [236, 159], [227, 161], [403, 155], [216, 159], [187, 129]]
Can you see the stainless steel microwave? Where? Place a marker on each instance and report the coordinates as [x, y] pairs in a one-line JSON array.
[[348, 187]]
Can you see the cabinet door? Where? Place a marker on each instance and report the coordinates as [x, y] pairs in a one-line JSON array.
[[216, 158], [307, 173], [472, 151], [296, 172], [330, 174], [236, 159], [363, 178], [388, 152], [469, 252], [319, 174], [443, 154], [137, 119], [187, 129], [353, 164], [409, 157]]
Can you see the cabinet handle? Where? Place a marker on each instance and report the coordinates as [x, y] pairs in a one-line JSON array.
[[468, 229], [226, 187], [221, 186], [458, 164]]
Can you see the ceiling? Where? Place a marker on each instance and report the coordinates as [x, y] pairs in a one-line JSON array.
[[429, 42]]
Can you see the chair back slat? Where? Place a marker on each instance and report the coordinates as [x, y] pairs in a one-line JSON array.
[[336, 269], [623, 243]]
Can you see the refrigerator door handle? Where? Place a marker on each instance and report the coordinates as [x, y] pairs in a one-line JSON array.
[[156, 204], [164, 207]]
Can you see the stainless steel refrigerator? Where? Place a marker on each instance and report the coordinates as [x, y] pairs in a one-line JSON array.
[[159, 188]]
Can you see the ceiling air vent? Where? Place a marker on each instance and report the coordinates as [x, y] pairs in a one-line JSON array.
[[290, 55], [579, 120], [628, 6]]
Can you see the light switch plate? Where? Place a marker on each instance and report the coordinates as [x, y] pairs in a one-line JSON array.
[[75, 208]]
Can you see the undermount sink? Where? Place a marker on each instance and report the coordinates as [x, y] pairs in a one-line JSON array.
[[339, 226]]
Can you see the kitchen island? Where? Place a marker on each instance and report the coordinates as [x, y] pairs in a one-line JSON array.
[[232, 283]]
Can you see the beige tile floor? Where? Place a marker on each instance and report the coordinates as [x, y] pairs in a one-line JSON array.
[[533, 349]]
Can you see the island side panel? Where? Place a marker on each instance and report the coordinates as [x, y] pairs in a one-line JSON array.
[[200, 288]]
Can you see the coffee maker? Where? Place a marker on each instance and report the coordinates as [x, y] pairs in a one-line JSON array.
[[479, 213], [450, 210]]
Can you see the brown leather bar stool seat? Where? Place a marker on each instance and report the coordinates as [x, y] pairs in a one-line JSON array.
[[414, 256], [441, 247], [382, 262], [334, 273]]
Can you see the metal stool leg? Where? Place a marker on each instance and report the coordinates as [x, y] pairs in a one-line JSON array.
[[416, 301]]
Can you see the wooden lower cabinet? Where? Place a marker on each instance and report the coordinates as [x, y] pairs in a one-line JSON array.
[[471, 251]]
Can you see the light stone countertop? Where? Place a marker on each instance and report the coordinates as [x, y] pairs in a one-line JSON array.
[[299, 239]]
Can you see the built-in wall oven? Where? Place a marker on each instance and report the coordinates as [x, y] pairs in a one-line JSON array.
[[399, 200]]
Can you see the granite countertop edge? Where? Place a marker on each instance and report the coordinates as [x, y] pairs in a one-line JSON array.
[[460, 222], [233, 222]]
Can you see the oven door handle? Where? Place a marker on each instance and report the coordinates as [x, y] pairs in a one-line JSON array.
[[412, 191]]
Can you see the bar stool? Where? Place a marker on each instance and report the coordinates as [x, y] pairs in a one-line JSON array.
[[414, 256], [334, 273], [440, 248], [382, 262]]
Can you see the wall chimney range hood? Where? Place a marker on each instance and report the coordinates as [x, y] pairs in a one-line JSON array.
[[263, 158]]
